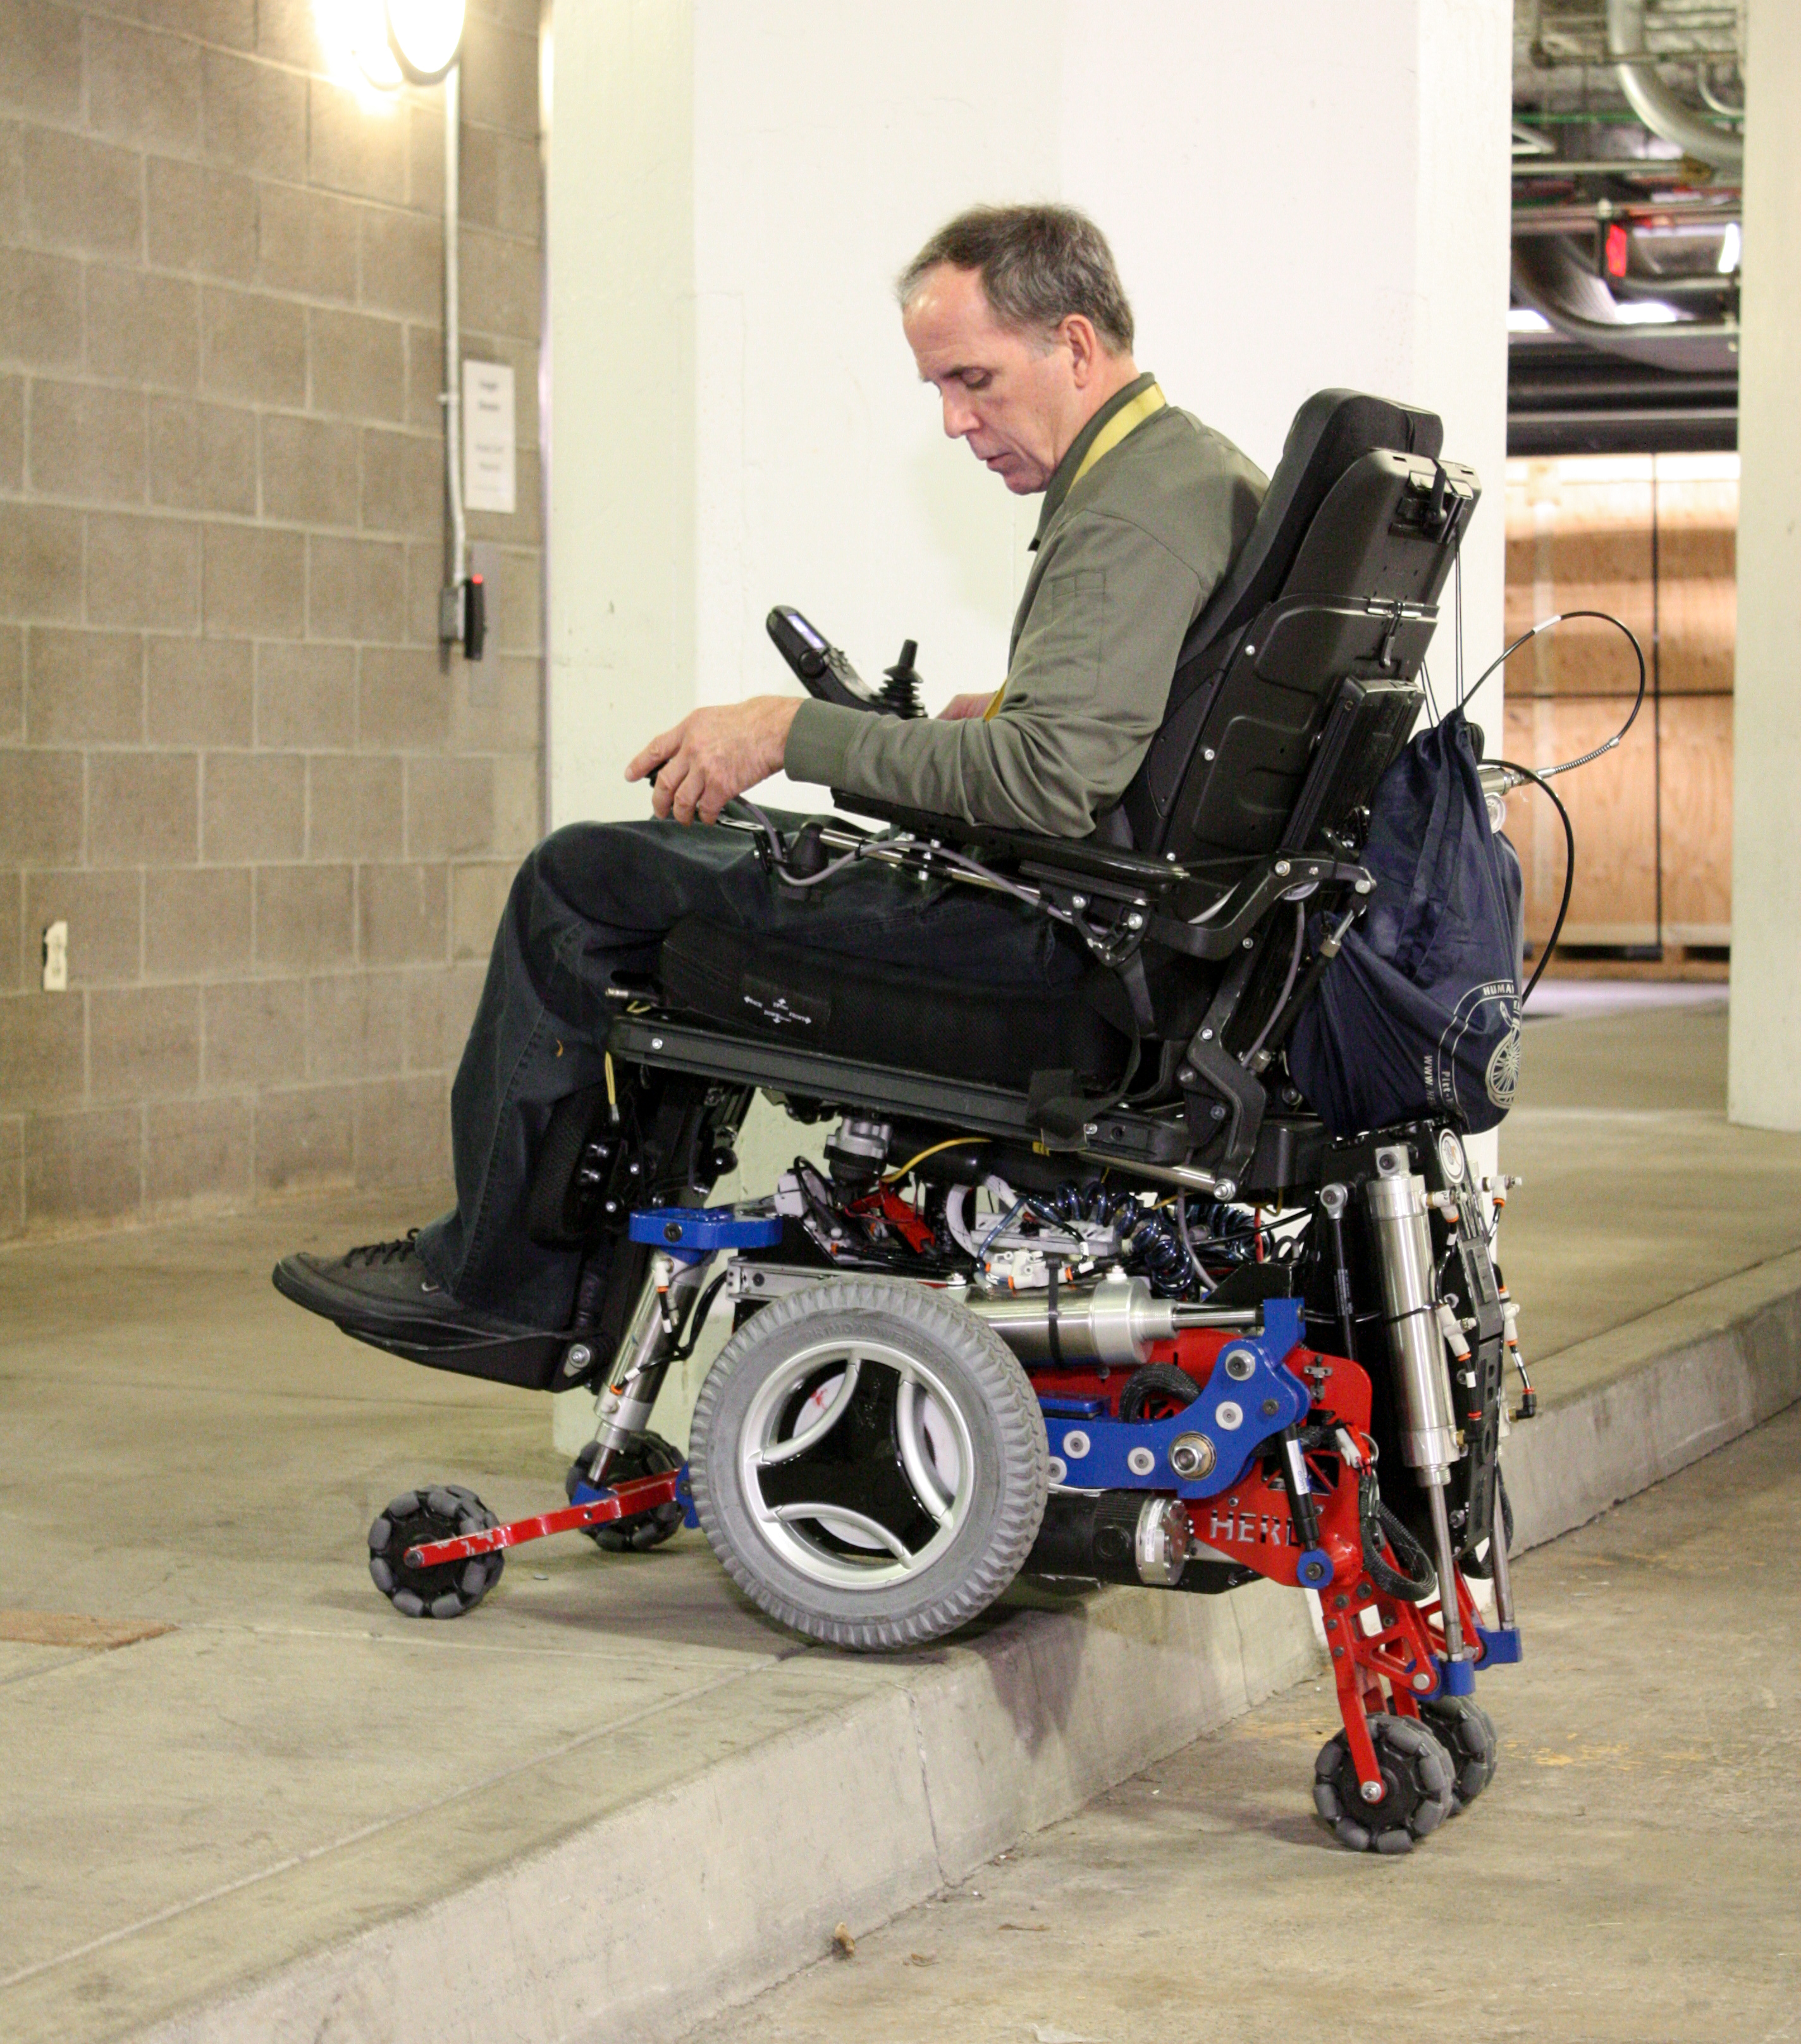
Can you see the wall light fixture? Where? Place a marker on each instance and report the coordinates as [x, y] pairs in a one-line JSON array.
[[404, 42]]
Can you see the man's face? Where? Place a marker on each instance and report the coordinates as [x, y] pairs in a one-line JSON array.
[[1013, 397]]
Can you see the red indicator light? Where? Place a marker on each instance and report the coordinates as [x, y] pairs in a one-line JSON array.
[[1615, 251]]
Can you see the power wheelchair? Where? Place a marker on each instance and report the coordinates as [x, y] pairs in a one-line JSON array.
[[1082, 1287]]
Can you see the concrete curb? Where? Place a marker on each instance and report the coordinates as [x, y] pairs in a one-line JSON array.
[[1645, 1400], [643, 1924]]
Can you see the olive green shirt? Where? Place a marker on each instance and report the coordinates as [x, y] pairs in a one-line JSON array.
[[1126, 560]]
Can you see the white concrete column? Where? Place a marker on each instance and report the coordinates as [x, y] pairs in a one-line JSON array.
[[1764, 1069], [1310, 195], [619, 215]]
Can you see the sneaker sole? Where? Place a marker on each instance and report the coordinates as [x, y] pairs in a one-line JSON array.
[[357, 1317]]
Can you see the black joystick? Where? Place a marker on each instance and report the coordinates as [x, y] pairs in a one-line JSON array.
[[901, 688]]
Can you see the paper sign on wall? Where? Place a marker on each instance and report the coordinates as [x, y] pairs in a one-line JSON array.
[[487, 436]]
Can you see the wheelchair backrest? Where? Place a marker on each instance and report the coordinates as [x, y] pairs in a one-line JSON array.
[[1298, 684]]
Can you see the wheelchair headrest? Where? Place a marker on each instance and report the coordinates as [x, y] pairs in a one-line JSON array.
[[1333, 429]]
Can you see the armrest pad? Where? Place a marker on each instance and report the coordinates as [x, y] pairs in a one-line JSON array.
[[1084, 856]]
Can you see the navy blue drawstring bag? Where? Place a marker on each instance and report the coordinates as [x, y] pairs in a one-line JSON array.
[[1419, 1013]]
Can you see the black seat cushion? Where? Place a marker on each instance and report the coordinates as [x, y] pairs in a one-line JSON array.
[[884, 1014]]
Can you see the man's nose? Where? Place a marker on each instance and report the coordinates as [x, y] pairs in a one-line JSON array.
[[959, 416]]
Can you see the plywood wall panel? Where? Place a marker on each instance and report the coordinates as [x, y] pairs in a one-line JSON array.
[[1579, 537], [1697, 787]]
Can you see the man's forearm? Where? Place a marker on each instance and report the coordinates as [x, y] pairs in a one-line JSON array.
[[987, 772]]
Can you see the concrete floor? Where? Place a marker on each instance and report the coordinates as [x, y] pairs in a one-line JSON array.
[[1633, 1875], [1637, 1191], [225, 1751]]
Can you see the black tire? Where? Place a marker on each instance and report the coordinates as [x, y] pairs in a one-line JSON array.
[[442, 1511], [1156, 1392], [639, 1532], [923, 1520], [1416, 1776], [1467, 1733]]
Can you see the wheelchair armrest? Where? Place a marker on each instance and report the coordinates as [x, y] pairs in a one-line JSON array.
[[1079, 858]]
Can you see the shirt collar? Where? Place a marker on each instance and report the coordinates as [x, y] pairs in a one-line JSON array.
[[1065, 474]]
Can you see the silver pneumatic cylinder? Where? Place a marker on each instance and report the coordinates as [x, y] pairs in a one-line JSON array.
[[1116, 1321], [1422, 1387], [623, 1411]]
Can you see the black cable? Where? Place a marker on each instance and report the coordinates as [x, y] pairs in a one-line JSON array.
[[690, 1336], [1431, 700], [1545, 624], [1416, 1577], [1538, 780]]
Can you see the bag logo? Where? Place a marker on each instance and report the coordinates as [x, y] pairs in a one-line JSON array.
[[1502, 1074], [1493, 1004]]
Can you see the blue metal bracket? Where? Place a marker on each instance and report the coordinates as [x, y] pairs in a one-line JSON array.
[[689, 1233], [1249, 1397], [1456, 1678], [586, 1493], [1501, 1646], [1314, 1570]]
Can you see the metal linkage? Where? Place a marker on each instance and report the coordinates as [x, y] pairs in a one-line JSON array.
[[643, 1493], [687, 1239]]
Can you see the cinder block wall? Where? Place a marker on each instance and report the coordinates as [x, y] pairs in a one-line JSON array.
[[279, 823]]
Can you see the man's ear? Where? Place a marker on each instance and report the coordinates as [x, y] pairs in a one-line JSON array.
[[1077, 334]]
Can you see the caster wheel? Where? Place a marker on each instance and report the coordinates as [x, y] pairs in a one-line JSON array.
[[1467, 1733], [649, 1455], [451, 1588], [1157, 1391], [869, 1463], [1416, 1778]]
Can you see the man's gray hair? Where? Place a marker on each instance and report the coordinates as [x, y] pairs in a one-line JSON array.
[[1038, 264]]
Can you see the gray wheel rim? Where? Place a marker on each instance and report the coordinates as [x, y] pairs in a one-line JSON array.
[[944, 1482]]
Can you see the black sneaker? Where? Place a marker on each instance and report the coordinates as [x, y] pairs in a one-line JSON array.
[[383, 1290]]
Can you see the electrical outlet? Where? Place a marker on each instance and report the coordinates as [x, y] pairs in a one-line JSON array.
[[56, 958]]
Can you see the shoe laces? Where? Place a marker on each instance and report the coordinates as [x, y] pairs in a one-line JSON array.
[[373, 1253]]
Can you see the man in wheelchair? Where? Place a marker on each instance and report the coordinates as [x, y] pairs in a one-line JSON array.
[[1124, 1262], [1017, 317]]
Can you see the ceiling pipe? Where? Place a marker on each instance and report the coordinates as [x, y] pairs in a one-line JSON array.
[[1548, 277], [1652, 100]]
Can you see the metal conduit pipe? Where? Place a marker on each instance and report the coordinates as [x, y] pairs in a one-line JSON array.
[[1652, 100], [450, 614]]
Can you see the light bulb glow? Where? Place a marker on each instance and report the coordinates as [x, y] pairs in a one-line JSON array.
[[1732, 244], [424, 36], [353, 35]]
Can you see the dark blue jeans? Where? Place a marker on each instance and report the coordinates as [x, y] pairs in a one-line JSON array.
[[595, 900]]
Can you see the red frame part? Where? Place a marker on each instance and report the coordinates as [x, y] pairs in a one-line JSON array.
[[1251, 1525], [643, 1493]]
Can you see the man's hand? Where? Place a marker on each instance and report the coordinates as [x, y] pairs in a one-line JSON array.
[[961, 706], [712, 755]]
